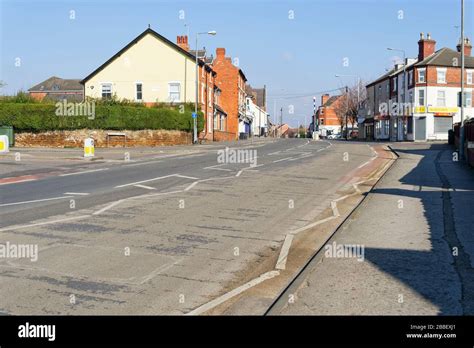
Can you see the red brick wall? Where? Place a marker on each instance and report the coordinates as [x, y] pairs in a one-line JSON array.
[[76, 138], [223, 136], [227, 80]]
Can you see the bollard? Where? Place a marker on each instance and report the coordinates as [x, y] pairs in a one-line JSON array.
[[4, 146], [89, 147]]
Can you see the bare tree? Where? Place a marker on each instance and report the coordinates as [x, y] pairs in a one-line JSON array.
[[347, 106]]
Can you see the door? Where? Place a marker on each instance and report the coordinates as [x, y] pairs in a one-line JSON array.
[[420, 128]]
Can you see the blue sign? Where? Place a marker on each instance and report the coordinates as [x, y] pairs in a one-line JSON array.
[[195, 115]]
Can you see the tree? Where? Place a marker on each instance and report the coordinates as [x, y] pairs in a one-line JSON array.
[[347, 106]]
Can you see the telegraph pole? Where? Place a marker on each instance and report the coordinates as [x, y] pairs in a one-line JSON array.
[[347, 111]]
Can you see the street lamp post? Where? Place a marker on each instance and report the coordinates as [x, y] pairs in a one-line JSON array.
[[461, 126], [195, 136], [404, 79]]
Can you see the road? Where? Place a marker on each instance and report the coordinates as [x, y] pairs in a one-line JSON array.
[[167, 232]]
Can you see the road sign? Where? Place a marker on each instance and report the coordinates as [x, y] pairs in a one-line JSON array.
[[89, 147], [195, 115], [3, 144]]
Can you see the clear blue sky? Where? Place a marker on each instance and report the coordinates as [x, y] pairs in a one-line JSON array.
[[298, 56]]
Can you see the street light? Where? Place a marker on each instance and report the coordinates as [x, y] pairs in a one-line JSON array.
[[195, 136], [404, 78]]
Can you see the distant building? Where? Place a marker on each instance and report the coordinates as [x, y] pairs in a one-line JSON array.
[[56, 88], [427, 105], [231, 80], [329, 122]]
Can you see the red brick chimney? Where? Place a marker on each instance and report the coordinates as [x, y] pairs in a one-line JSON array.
[[467, 47], [426, 46], [182, 41], [324, 99], [220, 53]]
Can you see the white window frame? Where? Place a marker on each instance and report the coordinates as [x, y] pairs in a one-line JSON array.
[[102, 84], [439, 73], [174, 83], [136, 91], [467, 99], [222, 120], [469, 77], [422, 72], [421, 91], [215, 120], [438, 97], [395, 84], [410, 77]]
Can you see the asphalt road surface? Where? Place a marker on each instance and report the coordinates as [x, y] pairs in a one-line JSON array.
[[165, 232]]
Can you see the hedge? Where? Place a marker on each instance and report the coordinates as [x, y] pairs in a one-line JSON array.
[[39, 117]]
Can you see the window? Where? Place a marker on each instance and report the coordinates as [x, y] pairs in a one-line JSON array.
[[174, 91], [410, 77], [394, 84], [421, 97], [441, 98], [203, 101], [139, 94], [106, 90], [215, 121], [467, 99], [410, 96], [469, 78], [441, 73], [421, 75], [388, 88], [223, 123]]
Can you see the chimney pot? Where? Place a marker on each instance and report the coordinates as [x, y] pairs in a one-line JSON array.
[[426, 47], [422, 36], [182, 41]]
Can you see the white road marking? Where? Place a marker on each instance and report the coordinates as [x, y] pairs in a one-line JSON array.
[[239, 172], [319, 222], [84, 172], [274, 153], [221, 299], [186, 177], [107, 207], [77, 193], [145, 187], [141, 163], [43, 223], [158, 178], [335, 211], [191, 186], [283, 159], [218, 165], [281, 263], [35, 201], [364, 164]]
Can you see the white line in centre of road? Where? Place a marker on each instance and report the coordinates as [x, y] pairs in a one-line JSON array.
[[283, 159], [35, 201], [158, 178], [84, 172], [145, 187]]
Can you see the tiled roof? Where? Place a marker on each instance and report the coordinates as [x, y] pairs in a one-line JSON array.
[[54, 84]]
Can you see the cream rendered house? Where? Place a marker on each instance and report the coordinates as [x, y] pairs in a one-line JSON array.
[[150, 69]]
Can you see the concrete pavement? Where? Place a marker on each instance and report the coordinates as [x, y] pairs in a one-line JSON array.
[[416, 231]]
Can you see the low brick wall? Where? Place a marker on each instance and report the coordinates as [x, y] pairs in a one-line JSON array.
[[224, 136], [76, 138]]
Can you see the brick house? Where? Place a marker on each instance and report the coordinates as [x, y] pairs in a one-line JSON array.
[[231, 81], [426, 107], [326, 114], [58, 89]]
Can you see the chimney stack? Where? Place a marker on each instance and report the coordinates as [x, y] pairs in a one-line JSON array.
[[467, 47], [182, 41], [426, 47], [220, 53], [324, 99]]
